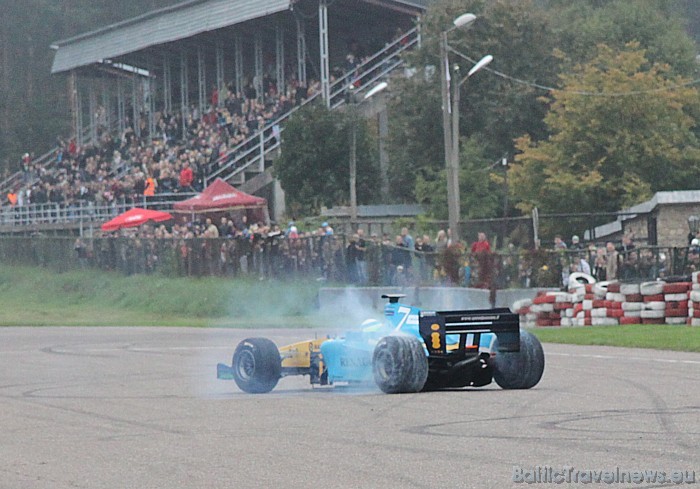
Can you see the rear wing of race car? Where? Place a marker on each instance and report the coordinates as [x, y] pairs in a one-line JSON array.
[[434, 326]]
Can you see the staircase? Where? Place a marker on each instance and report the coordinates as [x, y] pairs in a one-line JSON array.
[[19, 179], [245, 165], [48, 159]]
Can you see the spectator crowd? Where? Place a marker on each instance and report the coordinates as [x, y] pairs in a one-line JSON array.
[[184, 148], [128, 168]]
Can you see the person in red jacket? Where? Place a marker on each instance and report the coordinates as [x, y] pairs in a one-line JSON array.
[[186, 178], [482, 258], [481, 245]]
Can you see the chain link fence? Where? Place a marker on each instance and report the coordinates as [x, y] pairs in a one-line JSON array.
[[330, 258]]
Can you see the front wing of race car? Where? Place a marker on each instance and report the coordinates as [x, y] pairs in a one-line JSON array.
[[301, 358]]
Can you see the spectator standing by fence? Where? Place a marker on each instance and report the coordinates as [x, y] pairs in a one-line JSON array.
[[559, 243], [600, 265], [575, 243], [361, 258], [351, 254], [407, 239], [481, 252], [481, 245]]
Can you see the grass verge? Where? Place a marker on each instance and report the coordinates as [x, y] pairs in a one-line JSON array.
[[40, 297], [658, 337]]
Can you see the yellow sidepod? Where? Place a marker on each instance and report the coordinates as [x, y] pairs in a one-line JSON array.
[[298, 355]]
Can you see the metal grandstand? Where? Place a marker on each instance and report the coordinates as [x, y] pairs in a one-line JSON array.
[[170, 59]]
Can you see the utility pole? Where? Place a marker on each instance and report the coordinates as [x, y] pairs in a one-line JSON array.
[[504, 163], [449, 131], [353, 159]]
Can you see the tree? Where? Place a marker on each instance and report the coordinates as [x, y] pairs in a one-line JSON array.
[[622, 128], [480, 193], [34, 109], [654, 24], [494, 109], [314, 165]]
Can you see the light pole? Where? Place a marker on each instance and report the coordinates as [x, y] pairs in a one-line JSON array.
[[504, 163], [450, 119], [353, 143]]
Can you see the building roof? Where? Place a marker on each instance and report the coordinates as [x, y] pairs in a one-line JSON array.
[[659, 198], [180, 21], [169, 24], [421, 4], [375, 211]]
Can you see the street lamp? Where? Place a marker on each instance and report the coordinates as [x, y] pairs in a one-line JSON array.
[[450, 118], [353, 142], [694, 226]]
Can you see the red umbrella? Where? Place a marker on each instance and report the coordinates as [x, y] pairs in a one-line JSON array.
[[134, 218]]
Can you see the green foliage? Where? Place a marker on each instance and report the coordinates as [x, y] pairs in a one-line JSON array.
[[494, 110], [480, 194], [314, 165], [607, 152], [33, 103], [534, 41], [654, 24]]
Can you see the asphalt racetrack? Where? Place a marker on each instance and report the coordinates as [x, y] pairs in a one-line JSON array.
[[141, 408]]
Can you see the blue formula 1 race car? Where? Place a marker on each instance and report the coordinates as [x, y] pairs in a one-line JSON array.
[[410, 351]]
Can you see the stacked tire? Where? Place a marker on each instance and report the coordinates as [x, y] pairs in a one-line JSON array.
[[611, 311], [694, 301], [548, 307], [676, 298], [654, 309], [600, 305], [523, 307], [632, 305], [583, 303]]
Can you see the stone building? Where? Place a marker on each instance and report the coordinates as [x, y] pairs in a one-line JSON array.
[[661, 221]]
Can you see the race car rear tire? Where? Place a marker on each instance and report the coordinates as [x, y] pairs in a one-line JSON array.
[[256, 365], [519, 370], [399, 364]]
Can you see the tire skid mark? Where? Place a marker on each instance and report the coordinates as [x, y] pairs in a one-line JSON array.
[[570, 416], [37, 478], [112, 419], [63, 351], [663, 417]]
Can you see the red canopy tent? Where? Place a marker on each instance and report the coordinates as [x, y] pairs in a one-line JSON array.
[[134, 218], [221, 197]]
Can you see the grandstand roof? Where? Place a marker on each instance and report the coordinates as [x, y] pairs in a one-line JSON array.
[[423, 4], [169, 24], [158, 27]]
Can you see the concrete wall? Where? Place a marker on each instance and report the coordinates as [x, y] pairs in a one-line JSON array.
[[672, 224], [348, 300], [639, 227]]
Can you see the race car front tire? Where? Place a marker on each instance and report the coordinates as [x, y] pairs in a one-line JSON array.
[[256, 365], [519, 370], [399, 364]]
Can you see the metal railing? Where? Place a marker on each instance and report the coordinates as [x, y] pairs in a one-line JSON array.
[[48, 159], [81, 211], [250, 154], [19, 178]]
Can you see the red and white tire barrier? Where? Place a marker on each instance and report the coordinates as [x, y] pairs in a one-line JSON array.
[[613, 303]]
